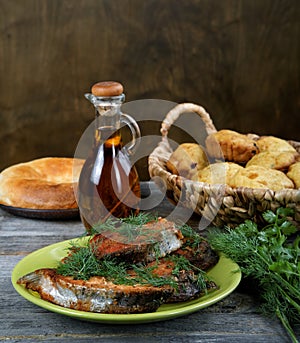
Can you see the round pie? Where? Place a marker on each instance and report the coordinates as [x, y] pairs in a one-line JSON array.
[[45, 183]]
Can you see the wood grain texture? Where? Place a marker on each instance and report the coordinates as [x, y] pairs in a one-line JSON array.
[[237, 58]]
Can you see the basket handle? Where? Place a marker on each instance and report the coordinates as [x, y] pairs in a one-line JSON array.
[[175, 112]]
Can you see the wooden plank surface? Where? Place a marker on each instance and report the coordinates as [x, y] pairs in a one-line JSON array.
[[234, 319]]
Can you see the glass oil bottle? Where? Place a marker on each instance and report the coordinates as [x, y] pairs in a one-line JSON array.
[[109, 183]]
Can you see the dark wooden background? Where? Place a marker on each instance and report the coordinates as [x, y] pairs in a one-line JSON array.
[[240, 59]]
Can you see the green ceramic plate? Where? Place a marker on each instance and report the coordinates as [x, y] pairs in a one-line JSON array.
[[226, 274]]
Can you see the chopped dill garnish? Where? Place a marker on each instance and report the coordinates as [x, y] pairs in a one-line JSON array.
[[81, 263], [193, 239], [109, 225], [182, 263], [115, 271], [140, 219], [146, 275], [130, 227]]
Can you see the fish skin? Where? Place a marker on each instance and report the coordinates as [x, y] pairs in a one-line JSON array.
[[96, 294]]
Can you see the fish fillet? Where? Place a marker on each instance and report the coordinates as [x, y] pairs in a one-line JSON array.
[[94, 295]]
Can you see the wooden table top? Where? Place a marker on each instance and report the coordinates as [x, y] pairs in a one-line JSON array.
[[233, 319]]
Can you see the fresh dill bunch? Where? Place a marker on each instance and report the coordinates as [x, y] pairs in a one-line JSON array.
[[271, 257]]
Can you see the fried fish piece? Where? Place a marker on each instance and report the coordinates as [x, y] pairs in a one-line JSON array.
[[187, 285], [231, 145], [156, 239], [271, 143], [261, 177], [96, 294], [187, 160], [273, 159], [219, 173], [294, 174]]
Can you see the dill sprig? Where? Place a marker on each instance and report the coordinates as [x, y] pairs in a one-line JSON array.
[[140, 219], [81, 263], [270, 256], [115, 271], [182, 263], [193, 239], [146, 275], [130, 228]]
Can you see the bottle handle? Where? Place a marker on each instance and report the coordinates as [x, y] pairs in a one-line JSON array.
[[135, 131]]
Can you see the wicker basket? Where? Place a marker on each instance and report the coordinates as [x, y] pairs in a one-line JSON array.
[[219, 204]]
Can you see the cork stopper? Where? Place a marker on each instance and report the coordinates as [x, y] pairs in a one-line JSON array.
[[107, 88]]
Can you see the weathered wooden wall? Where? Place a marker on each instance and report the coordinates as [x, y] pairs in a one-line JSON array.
[[240, 59]]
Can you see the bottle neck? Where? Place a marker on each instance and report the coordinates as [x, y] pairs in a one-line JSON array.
[[108, 114]]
